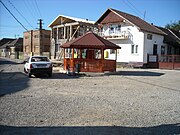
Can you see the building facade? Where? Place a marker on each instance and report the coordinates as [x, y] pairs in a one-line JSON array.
[[36, 42], [65, 29], [12, 48], [136, 37]]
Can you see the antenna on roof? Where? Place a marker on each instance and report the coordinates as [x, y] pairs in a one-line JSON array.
[[144, 15]]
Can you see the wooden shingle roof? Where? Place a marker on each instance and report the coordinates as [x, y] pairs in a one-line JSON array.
[[90, 41]]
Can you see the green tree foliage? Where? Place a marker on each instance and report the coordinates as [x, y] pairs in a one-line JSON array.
[[174, 26]]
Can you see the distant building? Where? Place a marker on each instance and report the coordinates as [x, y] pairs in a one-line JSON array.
[[171, 42], [36, 42], [11, 47], [65, 28]]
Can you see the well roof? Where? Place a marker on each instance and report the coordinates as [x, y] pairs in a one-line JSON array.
[[90, 40]]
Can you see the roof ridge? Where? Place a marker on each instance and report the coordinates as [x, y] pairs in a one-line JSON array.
[[173, 34], [80, 37], [125, 13], [116, 11]]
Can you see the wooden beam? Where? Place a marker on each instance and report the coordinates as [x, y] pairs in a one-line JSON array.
[[74, 32], [67, 24]]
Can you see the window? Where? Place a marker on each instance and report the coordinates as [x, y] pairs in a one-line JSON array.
[[169, 50], [149, 36], [36, 36], [112, 51], [162, 49], [36, 49], [111, 29], [136, 49], [46, 36], [132, 48], [119, 27], [26, 37]]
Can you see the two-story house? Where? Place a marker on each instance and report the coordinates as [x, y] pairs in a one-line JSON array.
[[66, 28], [36, 42], [136, 37]]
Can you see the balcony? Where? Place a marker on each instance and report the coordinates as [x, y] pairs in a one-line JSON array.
[[115, 34]]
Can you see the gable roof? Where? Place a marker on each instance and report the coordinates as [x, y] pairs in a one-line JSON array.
[[15, 42], [172, 37], [118, 16], [5, 40], [90, 41], [57, 20]]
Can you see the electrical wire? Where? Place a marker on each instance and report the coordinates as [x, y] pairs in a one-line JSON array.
[[13, 15], [28, 8], [35, 8], [138, 11], [20, 13], [131, 6], [38, 9]]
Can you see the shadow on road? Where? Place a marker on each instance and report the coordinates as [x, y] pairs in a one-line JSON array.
[[135, 73], [11, 82], [170, 129], [59, 76]]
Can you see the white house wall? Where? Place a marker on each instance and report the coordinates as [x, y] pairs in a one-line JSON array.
[[156, 39], [124, 54]]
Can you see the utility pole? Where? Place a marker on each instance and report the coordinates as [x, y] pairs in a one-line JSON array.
[[31, 42], [40, 24], [40, 36]]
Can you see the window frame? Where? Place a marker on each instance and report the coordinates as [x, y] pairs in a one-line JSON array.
[[149, 36]]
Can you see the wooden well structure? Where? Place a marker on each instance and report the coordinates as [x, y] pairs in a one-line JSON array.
[[86, 54]]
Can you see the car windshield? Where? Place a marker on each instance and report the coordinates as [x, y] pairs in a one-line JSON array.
[[36, 59]]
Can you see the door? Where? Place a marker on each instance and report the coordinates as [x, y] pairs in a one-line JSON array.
[[155, 49]]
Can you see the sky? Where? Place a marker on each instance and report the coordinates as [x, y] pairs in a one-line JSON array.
[[27, 12]]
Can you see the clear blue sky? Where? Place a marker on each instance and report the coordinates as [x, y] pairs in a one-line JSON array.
[[159, 12]]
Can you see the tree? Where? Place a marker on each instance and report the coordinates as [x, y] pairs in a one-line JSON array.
[[174, 26]]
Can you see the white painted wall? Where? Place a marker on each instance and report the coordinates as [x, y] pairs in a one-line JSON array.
[[124, 54], [156, 39], [145, 46]]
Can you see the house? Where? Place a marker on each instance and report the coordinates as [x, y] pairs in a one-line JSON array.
[[3, 50], [12, 48], [65, 28], [171, 42], [137, 38], [36, 42]]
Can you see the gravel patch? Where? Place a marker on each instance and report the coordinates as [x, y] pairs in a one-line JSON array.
[[133, 101]]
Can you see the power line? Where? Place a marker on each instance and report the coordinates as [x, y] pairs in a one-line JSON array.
[[20, 13], [144, 15], [28, 9], [14, 16], [129, 6], [136, 10], [38, 8], [35, 8]]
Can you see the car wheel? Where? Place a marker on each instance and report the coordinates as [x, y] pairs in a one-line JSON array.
[[29, 75]]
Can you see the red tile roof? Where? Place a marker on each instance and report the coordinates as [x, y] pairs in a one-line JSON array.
[[90, 41], [118, 15]]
